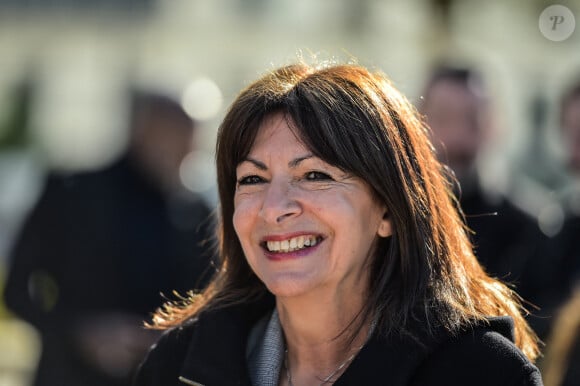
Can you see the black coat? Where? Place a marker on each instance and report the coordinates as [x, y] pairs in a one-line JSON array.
[[210, 351]]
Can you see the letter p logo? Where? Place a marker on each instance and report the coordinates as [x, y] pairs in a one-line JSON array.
[[557, 23], [556, 20]]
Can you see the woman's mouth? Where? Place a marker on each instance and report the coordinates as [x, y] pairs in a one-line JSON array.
[[291, 244]]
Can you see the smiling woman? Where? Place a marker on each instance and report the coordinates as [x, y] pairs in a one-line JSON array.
[[287, 197], [343, 257]]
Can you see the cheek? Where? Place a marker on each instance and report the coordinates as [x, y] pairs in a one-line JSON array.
[[237, 220], [244, 215], [360, 222], [344, 217], [243, 226], [240, 221]]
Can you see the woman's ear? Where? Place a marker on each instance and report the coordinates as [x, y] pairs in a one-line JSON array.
[[385, 226]]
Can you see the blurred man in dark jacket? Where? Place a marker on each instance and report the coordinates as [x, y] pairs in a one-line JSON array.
[[507, 240], [100, 248]]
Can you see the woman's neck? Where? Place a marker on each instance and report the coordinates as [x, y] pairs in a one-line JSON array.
[[320, 334]]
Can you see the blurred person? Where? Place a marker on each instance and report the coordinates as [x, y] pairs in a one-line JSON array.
[[99, 249], [507, 240], [562, 360], [563, 254], [568, 238], [343, 259]]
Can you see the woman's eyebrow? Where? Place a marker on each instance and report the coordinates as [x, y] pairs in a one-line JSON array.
[[292, 164], [296, 161], [260, 165]]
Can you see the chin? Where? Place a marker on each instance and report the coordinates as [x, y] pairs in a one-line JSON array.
[[289, 286]]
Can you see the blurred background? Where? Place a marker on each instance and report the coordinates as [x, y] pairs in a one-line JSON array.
[[65, 66]]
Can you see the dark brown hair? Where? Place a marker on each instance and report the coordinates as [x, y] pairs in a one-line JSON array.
[[356, 120]]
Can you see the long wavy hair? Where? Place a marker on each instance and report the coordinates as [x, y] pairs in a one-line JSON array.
[[356, 120]]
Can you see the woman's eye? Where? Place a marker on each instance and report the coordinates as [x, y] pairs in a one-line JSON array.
[[317, 176], [250, 180]]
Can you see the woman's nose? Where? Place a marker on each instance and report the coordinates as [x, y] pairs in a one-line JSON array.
[[279, 202]]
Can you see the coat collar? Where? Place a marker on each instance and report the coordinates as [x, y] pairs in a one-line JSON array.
[[217, 350]]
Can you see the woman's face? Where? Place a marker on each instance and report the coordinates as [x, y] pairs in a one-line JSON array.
[[304, 225]]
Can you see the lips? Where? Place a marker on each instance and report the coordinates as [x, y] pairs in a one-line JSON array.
[[290, 244]]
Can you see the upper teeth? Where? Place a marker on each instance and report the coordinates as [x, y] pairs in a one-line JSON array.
[[292, 244]]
